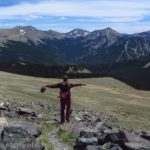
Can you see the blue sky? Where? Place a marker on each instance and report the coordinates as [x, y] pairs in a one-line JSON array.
[[126, 16]]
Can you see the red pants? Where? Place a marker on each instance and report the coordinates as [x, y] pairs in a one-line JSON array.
[[65, 106]]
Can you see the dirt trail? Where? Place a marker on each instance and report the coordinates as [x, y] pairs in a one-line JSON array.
[[55, 141]]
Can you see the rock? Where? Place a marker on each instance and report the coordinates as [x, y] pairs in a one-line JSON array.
[[77, 118], [2, 107], [118, 137], [135, 146], [102, 138], [111, 146], [86, 141], [88, 134], [25, 111], [102, 126], [146, 136], [98, 119], [2, 146], [93, 147], [34, 132], [16, 138]]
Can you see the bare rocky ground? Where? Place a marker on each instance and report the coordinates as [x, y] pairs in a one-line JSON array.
[[35, 126]]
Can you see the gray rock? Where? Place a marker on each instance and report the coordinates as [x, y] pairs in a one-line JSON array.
[[146, 136], [2, 107], [32, 130], [102, 138], [103, 126], [111, 146], [86, 141], [98, 119], [26, 111], [16, 138], [2, 146], [118, 137], [135, 146], [82, 143], [94, 147], [88, 134]]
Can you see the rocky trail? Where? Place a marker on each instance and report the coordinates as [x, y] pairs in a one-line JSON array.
[[35, 126]]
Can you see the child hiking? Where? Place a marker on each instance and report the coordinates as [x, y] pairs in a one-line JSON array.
[[65, 97]]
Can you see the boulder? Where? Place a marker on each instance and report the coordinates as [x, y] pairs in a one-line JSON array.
[[103, 126], [32, 130], [146, 136], [2, 107], [102, 138], [88, 133], [117, 137], [26, 111], [94, 147], [16, 138], [86, 141], [135, 146], [111, 146]]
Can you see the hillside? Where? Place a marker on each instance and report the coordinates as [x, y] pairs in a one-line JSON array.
[[107, 114], [101, 94]]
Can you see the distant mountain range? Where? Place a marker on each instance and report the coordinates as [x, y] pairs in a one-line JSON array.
[[30, 45], [27, 50]]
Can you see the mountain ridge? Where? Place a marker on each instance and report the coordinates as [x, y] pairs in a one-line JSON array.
[[74, 47]]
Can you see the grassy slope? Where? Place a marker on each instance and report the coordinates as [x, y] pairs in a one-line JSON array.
[[131, 106]]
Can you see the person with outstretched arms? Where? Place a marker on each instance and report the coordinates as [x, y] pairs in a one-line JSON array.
[[65, 97]]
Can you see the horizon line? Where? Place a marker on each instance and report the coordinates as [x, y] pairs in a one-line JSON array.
[[71, 29]]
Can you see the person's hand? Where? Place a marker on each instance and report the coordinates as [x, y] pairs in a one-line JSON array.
[[43, 89]]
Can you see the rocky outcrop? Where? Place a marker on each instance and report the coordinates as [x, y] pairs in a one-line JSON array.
[[17, 138], [90, 127], [100, 136]]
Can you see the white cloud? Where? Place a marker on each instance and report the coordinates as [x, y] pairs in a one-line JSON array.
[[62, 18], [86, 8], [32, 17], [122, 15]]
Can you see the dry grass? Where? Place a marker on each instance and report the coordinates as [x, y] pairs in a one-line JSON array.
[[132, 107]]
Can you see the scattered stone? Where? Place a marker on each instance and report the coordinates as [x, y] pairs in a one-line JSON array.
[[26, 111], [111, 146], [118, 137], [103, 126], [2, 107], [88, 134], [16, 138], [102, 138], [98, 120], [146, 136], [82, 143], [34, 132], [93, 147], [135, 146]]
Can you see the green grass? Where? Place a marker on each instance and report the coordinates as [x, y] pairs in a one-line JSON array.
[[131, 106], [45, 142], [45, 128], [66, 137], [46, 113], [48, 127]]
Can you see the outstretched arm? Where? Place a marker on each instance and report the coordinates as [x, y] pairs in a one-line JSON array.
[[80, 84], [43, 89], [52, 86]]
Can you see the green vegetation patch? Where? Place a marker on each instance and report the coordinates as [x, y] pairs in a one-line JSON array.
[[66, 137]]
